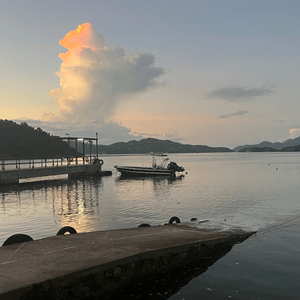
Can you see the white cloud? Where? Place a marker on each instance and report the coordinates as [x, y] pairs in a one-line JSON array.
[[294, 133], [95, 77]]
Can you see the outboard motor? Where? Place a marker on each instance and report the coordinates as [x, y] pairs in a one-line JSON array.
[[174, 167]]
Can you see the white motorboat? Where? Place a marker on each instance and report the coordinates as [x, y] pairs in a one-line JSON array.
[[162, 169]]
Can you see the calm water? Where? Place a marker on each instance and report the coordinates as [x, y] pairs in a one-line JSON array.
[[254, 191]]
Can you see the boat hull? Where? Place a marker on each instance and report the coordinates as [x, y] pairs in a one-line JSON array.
[[141, 171]]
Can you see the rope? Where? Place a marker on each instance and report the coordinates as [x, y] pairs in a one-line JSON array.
[[278, 226]]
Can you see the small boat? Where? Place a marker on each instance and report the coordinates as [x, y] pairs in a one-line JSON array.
[[162, 169]]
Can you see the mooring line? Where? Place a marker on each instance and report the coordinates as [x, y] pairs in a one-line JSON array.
[[277, 227]]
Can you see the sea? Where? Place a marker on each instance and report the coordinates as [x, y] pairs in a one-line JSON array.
[[252, 191]]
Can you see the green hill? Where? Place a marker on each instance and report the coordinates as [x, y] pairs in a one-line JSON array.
[[24, 141]]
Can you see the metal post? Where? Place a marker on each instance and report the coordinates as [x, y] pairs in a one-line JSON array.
[[68, 159], [61, 154], [83, 154], [52, 152], [90, 151], [97, 145], [76, 151]]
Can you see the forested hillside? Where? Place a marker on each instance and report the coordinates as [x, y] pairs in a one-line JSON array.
[[24, 141]]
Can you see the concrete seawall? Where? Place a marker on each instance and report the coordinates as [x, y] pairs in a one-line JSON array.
[[99, 264]]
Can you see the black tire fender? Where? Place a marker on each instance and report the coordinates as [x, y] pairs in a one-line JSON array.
[[144, 225], [17, 238], [174, 219], [65, 229]]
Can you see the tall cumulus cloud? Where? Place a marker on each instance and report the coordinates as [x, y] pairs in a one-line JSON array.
[[95, 77]]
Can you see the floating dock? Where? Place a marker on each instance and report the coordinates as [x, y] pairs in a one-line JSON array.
[[101, 263]]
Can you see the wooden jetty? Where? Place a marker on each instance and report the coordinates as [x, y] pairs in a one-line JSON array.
[[97, 265]]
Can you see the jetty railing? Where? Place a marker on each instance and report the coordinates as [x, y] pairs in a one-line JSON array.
[[31, 163]]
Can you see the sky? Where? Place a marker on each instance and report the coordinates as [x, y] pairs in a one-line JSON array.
[[218, 73]]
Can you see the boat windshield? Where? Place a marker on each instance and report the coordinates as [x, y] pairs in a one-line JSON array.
[[162, 164]]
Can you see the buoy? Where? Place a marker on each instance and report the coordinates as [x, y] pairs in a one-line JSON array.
[[193, 219], [17, 238], [65, 229]]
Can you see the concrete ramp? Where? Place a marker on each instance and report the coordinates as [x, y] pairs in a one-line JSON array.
[[98, 264]]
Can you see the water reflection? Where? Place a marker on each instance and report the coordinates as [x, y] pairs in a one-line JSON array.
[[76, 202], [159, 185], [41, 208], [46, 206], [153, 178]]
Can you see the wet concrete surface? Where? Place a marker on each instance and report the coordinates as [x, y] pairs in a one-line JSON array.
[[111, 259]]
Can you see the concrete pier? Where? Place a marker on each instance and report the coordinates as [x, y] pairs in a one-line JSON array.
[[99, 264], [73, 171]]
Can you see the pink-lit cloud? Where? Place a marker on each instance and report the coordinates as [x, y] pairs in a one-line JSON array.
[[95, 77]]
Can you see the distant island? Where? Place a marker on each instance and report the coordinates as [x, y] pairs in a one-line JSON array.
[[276, 145], [154, 145], [291, 149], [259, 149], [270, 149]]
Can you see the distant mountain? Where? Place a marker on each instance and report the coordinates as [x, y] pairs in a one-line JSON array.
[[291, 149], [259, 149], [24, 141], [154, 145], [277, 145]]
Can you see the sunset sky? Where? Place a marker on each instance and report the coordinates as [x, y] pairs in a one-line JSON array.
[[215, 72]]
